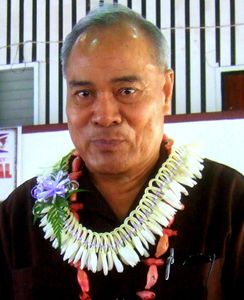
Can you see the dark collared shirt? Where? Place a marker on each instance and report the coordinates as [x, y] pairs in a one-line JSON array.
[[208, 250]]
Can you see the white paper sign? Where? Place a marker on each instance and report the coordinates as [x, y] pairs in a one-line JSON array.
[[8, 161]]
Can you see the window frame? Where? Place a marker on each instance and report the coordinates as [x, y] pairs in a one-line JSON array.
[[218, 91], [35, 67]]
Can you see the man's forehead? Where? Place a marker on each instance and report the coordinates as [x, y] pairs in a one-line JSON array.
[[97, 35], [109, 49]]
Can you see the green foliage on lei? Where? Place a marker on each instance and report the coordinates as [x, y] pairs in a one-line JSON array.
[[52, 193]]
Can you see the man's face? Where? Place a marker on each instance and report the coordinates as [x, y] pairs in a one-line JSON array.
[[116, 100]]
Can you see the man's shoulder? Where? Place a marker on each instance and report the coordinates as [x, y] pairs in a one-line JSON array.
[[220, 169], [21, 195], [219, 177]]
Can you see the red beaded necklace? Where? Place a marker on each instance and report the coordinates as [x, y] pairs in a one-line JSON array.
[[153, 263]]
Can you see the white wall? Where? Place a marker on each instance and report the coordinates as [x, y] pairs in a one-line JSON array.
[[39, 151], [197, 64], [222, 141]]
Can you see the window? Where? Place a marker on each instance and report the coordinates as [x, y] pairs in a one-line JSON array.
[[230, 88], [232, 84], [18, 95]]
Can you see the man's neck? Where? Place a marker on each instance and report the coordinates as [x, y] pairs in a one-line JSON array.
[[120, 191]]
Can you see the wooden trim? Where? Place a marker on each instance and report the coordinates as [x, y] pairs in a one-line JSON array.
[[168, 119], [210, 116], [44, 128]]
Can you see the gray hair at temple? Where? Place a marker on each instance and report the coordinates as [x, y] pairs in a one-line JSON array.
[[108, 15]]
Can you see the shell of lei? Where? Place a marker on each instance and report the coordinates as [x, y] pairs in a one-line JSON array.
[[126, 244]]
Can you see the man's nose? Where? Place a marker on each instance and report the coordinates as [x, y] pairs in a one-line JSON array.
[[106, 110]]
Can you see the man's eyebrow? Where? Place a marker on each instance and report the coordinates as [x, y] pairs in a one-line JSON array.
[[76, 83], [130, 78]]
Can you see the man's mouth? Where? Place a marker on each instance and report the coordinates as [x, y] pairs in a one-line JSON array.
[[107, 144]]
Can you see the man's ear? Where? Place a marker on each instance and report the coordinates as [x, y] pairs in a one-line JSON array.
[[168, 90]]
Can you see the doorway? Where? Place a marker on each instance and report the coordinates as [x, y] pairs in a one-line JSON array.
[[232, 86]]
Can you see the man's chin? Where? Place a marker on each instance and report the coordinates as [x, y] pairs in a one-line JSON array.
[[108, 168]]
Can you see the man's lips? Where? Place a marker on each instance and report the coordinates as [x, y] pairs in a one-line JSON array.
[[106, 144]]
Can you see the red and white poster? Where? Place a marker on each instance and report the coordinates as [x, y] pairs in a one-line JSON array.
[[9, 140]]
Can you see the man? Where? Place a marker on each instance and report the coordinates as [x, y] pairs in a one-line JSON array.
[[135, 218]]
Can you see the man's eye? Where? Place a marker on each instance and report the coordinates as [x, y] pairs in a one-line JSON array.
[[83, 93], [127, 91]]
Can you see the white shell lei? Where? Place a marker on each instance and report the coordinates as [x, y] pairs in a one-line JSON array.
[[156, 209]]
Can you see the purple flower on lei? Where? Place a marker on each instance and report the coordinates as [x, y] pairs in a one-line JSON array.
[[50, 186]]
